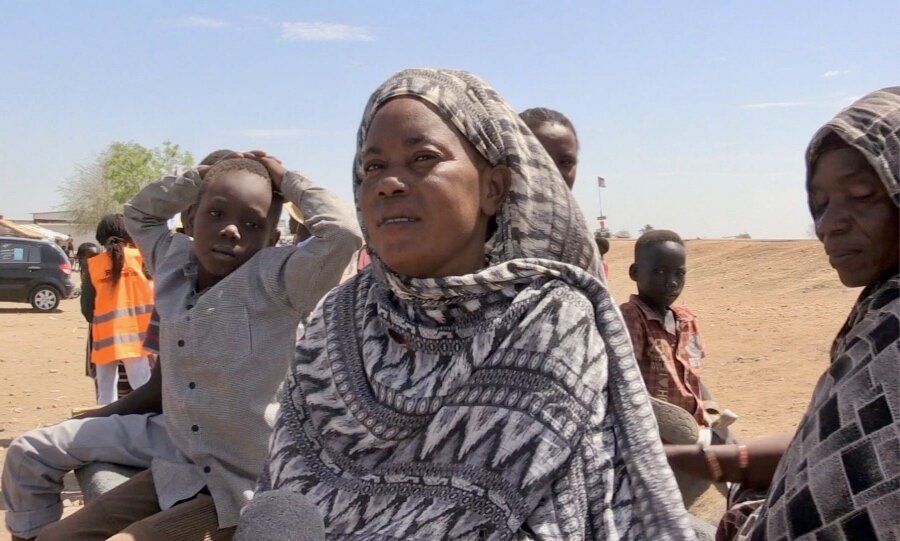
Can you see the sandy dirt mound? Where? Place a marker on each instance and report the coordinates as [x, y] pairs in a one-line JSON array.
[[768, 311]]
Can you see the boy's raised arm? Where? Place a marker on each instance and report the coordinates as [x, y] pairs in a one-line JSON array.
[[148, 213], [317, 265]]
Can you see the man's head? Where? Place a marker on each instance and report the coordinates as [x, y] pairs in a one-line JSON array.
[[558, 137], [659, 267], [602, 244], [236, 215], [86, 250]]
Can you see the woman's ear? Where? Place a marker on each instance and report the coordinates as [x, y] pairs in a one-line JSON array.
[[494, 188]]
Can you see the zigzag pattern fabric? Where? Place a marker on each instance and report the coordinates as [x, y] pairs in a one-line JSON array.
[[505, 404]]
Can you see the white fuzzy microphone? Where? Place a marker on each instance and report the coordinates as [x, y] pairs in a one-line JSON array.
[[280, 515]]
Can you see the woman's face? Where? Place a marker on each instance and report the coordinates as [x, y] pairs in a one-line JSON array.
[[426, 196], [855, 219]]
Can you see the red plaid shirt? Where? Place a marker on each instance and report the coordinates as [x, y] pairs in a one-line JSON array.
[[670, 363]]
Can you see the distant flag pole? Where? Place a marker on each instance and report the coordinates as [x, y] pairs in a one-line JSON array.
[[601, 219]]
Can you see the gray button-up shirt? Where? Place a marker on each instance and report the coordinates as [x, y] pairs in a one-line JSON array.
[[224, 353]]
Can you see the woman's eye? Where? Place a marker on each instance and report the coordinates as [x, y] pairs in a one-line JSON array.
[[424, 157], [253, 225], [369, 167], [215, 213]]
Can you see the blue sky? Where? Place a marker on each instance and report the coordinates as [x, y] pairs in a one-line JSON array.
[[696, 113]]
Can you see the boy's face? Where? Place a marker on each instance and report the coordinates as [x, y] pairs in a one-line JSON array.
[[659, 272], [231, 223]]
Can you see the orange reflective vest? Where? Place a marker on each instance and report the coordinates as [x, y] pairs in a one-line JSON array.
[[121, 309]]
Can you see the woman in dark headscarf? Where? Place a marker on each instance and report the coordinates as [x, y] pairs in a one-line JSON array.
[[475, 381], [839, 476]]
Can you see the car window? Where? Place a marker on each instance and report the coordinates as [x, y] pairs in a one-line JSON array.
[[19, 252], [54, 254]]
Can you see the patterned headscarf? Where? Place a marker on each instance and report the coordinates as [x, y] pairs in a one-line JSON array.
[[484, 406], [872, 126]]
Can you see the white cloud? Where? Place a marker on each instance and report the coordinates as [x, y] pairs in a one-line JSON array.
[[834, 73], [201, 22], [774, 105], [269, 133], [319, 31]]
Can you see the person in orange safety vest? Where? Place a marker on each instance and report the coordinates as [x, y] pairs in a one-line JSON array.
[[122, 302]]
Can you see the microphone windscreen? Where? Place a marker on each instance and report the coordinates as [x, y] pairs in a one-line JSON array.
[[280, 515]]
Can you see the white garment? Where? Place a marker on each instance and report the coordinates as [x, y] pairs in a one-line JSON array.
[[137, 369]]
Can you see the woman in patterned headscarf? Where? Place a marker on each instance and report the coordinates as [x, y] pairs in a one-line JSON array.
[[475, 381], [839, 477]]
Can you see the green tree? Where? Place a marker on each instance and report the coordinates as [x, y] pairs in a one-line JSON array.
[[645, 229], [115, 176]]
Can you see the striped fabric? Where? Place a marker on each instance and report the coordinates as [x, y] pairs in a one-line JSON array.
[[501, 405], [130, 311]]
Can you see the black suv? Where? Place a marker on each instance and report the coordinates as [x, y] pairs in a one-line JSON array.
[[35, 271]]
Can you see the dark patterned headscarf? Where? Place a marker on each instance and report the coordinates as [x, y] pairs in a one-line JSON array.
[[872, 126], [504, 404]]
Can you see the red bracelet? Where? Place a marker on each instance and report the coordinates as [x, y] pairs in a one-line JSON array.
[[715, 467]]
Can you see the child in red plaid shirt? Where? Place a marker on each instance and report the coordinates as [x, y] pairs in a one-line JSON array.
[[666, 338]]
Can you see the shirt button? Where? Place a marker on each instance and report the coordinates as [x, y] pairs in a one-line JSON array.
[[206, 469], [181, 343], [195, 428], [192, 385]]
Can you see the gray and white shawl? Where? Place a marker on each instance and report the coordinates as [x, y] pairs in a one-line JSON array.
[[505, 404], [840, 476]]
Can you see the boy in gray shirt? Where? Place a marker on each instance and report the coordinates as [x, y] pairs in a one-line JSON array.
[[229, 304]]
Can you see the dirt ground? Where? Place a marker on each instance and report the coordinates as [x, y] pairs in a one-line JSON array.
[[767, 310]]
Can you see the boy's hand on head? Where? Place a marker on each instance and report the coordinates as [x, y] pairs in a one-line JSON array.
[[271, 163]]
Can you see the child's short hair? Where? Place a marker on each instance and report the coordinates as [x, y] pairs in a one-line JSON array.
[[602, 243], [86, 249], [251, 166], [215, 156], [654, 237], [536, 116]]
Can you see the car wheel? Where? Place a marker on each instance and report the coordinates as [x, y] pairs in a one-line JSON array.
[[45, 298]]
